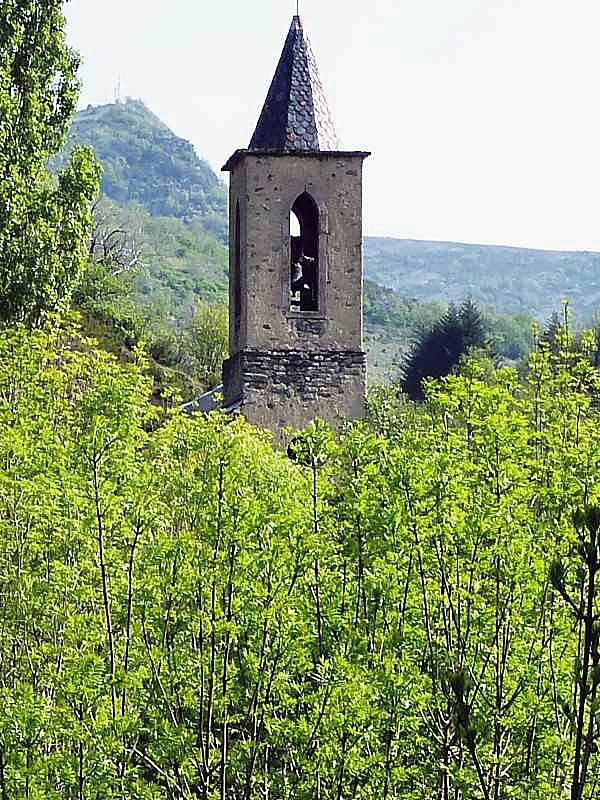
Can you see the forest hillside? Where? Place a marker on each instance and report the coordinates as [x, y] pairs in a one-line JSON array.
[[513, 280], [145, 163]]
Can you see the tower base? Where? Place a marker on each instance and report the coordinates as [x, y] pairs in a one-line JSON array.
[[281, 389]]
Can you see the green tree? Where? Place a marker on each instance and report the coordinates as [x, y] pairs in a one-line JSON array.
[[403, 611], [579, 593], [206, 343], [439, 350], [44, 223]]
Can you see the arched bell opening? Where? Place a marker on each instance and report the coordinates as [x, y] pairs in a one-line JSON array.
[[304, 254]]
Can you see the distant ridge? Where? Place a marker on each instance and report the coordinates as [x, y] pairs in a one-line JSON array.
[[448, 243], [514, 280]]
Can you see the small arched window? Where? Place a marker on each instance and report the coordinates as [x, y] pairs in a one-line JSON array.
[[304, 254], [237, 273]]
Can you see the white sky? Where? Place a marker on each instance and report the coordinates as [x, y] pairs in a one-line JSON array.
[[483, 115]]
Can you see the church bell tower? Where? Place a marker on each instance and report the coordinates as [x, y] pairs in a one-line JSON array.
[[295, 274]]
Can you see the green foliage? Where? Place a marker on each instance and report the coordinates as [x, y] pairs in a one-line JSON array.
[[206, 343], [188, 613], [183, 263], [581, 596], [511, 336], [145, 163], [440, 350], [136, 290], [186, 360], [175, 263], [389, 309], [38, 84], [44, 225], [559, 333], [392, 323]]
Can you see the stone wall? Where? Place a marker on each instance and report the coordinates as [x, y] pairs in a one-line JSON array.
[[266, 187], [289, 388], [288, 367]]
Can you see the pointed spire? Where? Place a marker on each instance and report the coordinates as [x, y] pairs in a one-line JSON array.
[[295, 115]]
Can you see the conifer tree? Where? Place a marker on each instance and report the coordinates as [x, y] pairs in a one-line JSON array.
[[552, 330], [439, 350]]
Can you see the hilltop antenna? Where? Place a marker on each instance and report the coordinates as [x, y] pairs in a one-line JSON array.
[[118, 90]]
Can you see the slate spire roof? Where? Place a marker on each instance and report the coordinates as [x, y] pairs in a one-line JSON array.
[[295, 116]]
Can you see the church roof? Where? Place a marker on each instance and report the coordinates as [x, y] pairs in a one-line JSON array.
[[295, 116]]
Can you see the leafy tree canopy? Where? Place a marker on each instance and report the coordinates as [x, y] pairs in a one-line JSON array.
[[44, 224], [407, 610]]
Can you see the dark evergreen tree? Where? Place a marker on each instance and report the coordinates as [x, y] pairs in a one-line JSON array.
[[439, 350], [551, 334], [472, 325]]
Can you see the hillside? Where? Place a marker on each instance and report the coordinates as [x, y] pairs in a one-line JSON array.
[[182, 263], [158, 185], [512, 280], [144, 162]]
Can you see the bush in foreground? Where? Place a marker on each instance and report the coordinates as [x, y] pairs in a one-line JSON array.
[[187, 613]]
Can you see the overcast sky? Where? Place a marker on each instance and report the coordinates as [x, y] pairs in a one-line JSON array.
[[483, 116]]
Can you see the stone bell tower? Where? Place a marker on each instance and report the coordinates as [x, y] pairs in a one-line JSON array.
[[296, 278]]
